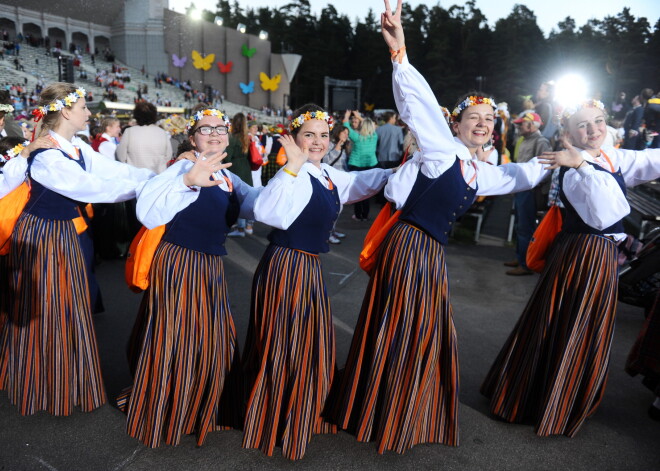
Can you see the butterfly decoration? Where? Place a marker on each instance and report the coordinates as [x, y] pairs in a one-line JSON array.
[[247, 88], [268, 83], [200, 62], [369, 106], [225, 68], [248, 52], [179, 61]]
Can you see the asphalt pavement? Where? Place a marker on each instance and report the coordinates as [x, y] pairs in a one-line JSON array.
[[486, 304]]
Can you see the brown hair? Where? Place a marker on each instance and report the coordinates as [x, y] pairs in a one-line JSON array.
[[107, 122], [239, 130], [145, 113], [54, 91]]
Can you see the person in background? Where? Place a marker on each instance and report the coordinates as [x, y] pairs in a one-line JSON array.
[[337, 157], [533, 144], [390, 142], [239, 157], [363, 155]]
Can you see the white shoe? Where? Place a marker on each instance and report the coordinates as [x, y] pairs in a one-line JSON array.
[[236, 233], [249, 230], [334, 240], [339, 235]]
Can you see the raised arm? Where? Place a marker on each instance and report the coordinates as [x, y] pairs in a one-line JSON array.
[[414, 98]]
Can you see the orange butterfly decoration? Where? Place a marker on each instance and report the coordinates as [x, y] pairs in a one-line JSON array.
[[369, 106]]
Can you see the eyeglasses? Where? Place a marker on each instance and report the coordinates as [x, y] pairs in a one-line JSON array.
[[208, 130]]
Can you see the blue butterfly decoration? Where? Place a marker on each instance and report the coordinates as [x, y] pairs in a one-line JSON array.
[[178, 61], [247, 88]]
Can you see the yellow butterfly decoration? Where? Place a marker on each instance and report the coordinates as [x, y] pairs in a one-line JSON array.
[[369, 106], [268, 83], [200, 62]]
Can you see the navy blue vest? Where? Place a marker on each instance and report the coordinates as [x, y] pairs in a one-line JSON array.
[[572, 223], [311, 229], [201, 226], [48, 204], [434, 204]]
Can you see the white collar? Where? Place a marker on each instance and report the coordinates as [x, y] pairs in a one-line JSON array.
[[65, 145]]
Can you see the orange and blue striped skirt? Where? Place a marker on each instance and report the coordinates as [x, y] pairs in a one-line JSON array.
[[49, 353], [400, 383], [4, 308], [290, 353], [181, 349], [553, 367]]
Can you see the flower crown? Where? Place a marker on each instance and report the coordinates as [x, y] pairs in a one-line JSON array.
[[6, 108], [207, 112], [445, 114], [296, 123], [571, 110], [14, 151], [57, 105], [472, 100]]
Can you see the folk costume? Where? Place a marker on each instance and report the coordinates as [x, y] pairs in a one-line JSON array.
[[290, 348], [49, 354], [400, 384], [183, 344], [552, 370]]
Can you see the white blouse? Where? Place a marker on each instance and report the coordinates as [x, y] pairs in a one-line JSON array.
[[12, 175], [165, 195], [285, 197], [596, 196], [103, 181]]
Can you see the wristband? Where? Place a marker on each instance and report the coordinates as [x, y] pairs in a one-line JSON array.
[[398, 54], [286, 170]]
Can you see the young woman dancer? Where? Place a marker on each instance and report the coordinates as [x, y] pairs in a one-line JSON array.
[[552, 369], [49, 354], [184, 341], [290, 350], [400, 384]]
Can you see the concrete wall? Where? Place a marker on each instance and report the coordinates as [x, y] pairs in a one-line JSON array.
[[183, 35]]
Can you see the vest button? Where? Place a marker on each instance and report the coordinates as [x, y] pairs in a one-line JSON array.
[[453, 214], [450, 223], [445, 233], [465, 197]]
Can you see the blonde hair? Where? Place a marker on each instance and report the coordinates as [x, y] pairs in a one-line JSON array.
[[107, 122], [54, 91], [367, 128]]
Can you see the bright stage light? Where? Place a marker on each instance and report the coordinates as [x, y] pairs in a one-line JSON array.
[[218, 21], [195, 13], [571, 89]]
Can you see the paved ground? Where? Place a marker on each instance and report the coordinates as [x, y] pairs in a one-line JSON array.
[[486, 305]]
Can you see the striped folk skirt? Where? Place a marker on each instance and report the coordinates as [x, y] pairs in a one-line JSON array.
[[400, 384], [290, 353], [181, 349], [552, 369], [49, 354]]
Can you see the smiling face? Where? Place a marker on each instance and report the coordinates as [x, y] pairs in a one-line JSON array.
[[314, 135], [213, 142], [587, 129], [476, 126]]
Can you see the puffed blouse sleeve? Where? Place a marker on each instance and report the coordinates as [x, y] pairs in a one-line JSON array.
[[638, 166], [596, 196], [165, 195], [104, 181], [12, 175], [281, 201], [420, 110]]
